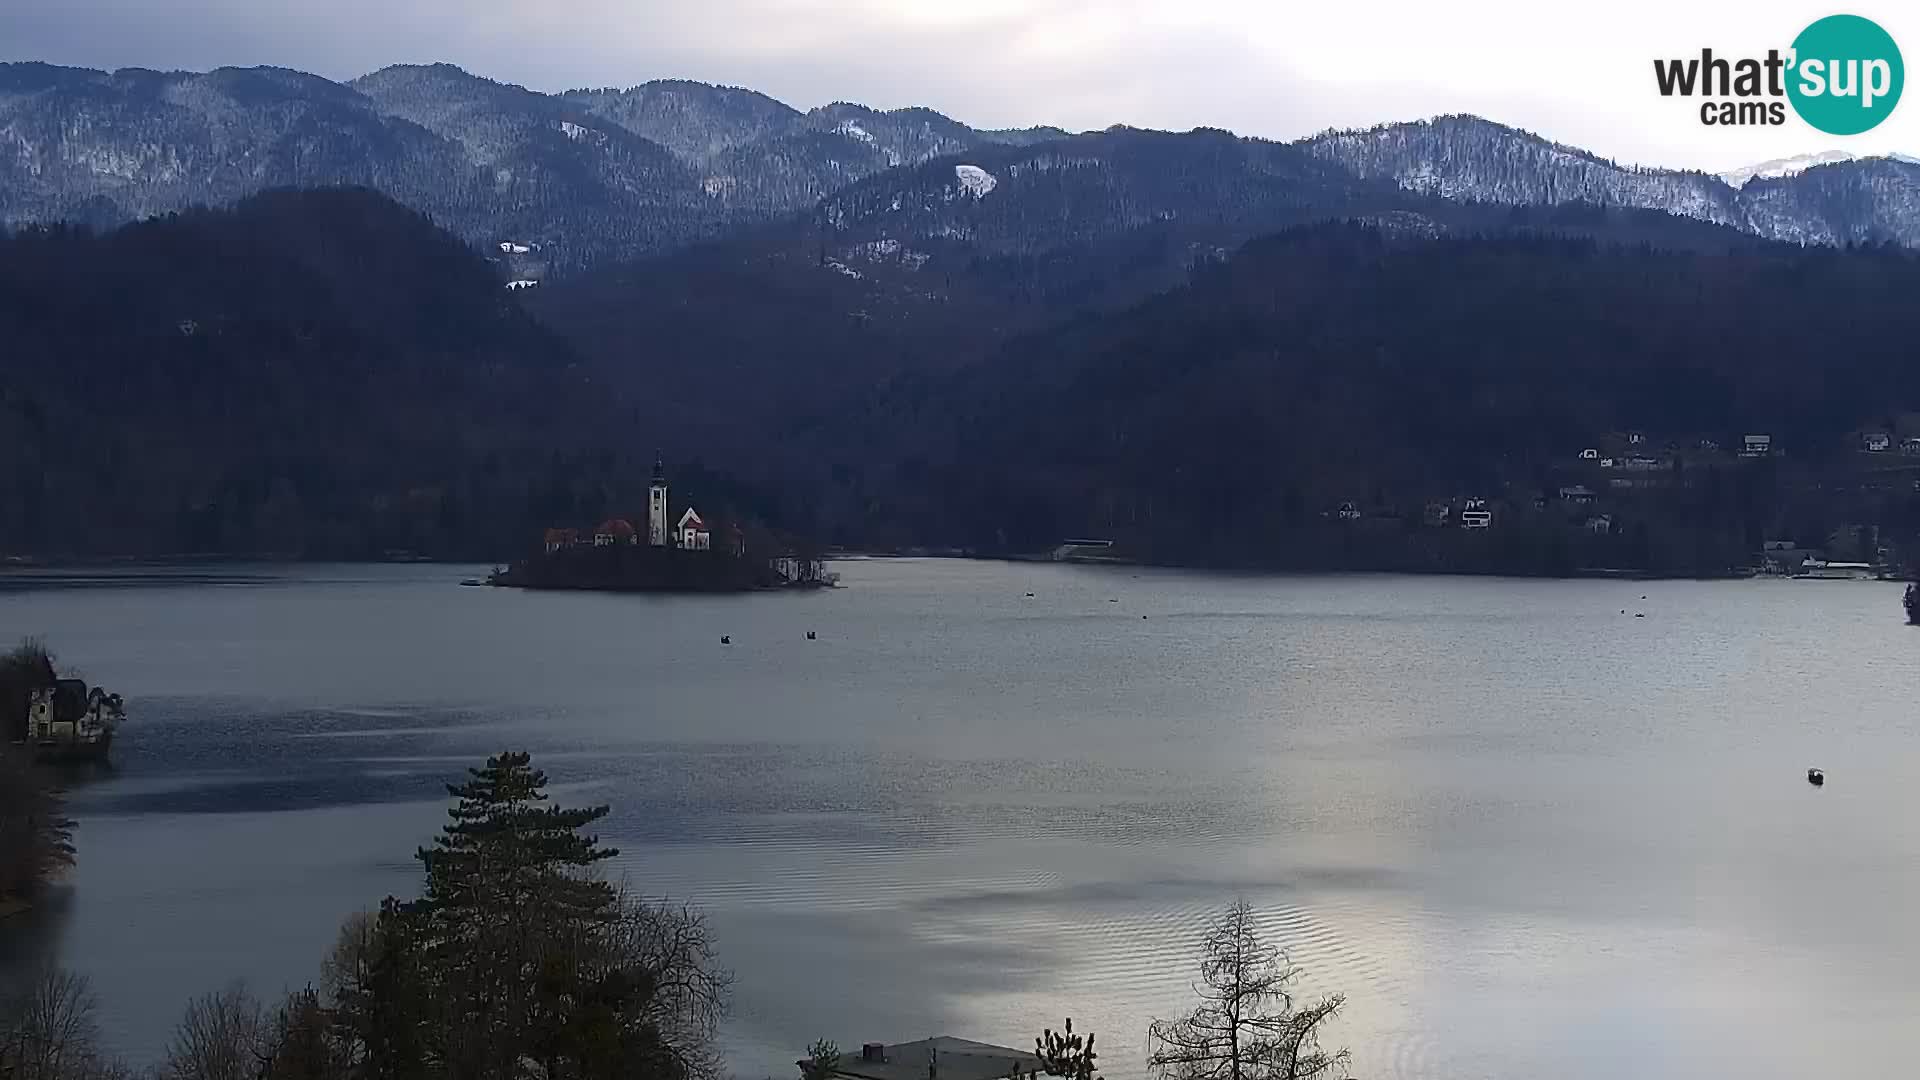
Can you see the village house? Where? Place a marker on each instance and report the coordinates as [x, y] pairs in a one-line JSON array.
[[1910, 446], [561, 538], [1348, 512], [1475, 515], [1590, 454], [1436, 514], [1756, 445], [1600, 524], [1876, 442], [1578, 494]]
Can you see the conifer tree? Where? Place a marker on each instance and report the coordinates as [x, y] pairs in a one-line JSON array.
[[1247, 1026]]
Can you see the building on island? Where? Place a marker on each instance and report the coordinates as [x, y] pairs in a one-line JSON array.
[[613, 531], [941, 1058], [691, 534], [657, 505]]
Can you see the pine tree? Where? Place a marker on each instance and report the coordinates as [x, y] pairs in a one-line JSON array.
[[1066, 1054], [507, 888]]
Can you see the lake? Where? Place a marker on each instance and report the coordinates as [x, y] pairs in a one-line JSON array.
[[1527, 834]]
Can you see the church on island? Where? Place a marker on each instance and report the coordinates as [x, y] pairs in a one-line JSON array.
[[689, 533], [680, 551]]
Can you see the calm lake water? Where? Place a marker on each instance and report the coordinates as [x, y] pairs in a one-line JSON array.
[[1528, 836]]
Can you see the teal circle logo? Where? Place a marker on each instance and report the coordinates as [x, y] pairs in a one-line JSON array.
[[1847, 75]]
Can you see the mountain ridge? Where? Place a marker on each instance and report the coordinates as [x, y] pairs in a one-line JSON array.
[[586, 176]]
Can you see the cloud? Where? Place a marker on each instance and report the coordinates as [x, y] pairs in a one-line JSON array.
[[1577, 75]]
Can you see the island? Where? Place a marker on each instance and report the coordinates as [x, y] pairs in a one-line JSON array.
[[684, 554]]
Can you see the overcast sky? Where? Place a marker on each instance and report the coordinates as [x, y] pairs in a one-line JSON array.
[[1580, 74]]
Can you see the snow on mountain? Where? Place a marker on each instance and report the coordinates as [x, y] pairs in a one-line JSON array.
[[1787, 166], [1865, 200]]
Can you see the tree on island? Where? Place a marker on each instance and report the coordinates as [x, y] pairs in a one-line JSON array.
[[1247, 1025]]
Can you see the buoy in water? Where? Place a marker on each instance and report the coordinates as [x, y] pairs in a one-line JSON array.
[[1816, 777], [726, 639], [810, 635]]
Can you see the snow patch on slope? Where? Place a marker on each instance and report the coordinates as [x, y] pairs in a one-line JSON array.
[[976, 180], [1787, 166]]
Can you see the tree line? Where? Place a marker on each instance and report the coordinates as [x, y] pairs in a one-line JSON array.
[[519, 960]]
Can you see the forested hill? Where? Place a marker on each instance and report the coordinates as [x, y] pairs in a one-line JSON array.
[[317, 373], [1224, 421]]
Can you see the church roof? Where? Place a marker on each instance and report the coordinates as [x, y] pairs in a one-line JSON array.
[[692, 517]]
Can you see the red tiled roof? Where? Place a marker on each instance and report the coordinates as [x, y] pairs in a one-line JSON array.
[[562, 536], [614, 527], [692, 517]]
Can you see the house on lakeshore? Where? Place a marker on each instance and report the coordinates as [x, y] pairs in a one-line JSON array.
[[1475, 515], [561, 538], [1876, 442], [1757, 445], [943, 1057], [1910, 446], [1578, 495]]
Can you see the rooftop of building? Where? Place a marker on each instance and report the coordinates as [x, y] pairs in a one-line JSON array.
[[950, 1058]]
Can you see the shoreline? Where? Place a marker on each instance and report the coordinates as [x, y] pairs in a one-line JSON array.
[[16, 563]]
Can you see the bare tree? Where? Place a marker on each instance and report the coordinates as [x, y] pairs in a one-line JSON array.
[[1247, 1026], [223, 1036], [670, 945], [48, 1030]]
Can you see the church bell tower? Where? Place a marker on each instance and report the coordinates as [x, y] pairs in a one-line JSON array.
[[657, 505]]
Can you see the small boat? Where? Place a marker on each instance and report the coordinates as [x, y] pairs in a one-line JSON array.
[[726, 639], [472, 581], [1912, 601], [811, 636], [1816, 777]]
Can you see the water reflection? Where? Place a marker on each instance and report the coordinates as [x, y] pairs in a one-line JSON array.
[[1525, 836]]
